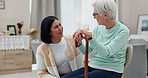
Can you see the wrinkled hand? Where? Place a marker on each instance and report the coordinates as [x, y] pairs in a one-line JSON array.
[[78, 40], [79, 35]]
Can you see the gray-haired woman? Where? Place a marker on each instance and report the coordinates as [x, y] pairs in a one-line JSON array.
[[108, 40]]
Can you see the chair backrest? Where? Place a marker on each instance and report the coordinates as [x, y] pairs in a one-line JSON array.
[[34, 45], [129, 55]]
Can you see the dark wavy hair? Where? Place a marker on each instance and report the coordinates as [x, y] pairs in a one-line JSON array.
[[46, 25]]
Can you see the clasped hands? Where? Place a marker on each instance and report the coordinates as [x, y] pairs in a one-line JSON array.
[[79, 35]]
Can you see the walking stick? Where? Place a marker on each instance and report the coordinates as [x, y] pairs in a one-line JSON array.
[[86, 59]]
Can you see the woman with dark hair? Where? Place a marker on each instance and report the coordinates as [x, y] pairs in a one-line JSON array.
[[57, 55]]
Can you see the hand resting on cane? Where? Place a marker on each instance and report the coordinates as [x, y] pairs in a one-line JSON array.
[[79, 35]]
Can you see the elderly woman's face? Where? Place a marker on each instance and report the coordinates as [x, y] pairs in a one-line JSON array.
[[98, 17], [56, 30]]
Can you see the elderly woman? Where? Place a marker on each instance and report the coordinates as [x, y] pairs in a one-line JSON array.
[[57, 55], [108, 40]]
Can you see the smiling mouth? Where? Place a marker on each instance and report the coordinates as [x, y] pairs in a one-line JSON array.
[[61, 33]]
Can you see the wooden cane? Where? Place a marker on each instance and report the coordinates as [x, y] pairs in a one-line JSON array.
[[86, 59]]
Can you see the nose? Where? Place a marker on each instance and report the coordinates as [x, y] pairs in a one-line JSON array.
[[60, 28]]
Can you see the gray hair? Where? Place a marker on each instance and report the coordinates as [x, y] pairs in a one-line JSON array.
[[108, 6]]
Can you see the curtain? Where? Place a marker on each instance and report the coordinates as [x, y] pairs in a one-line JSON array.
[[41, 9], [70, 15], [86, 14], [75, 14]]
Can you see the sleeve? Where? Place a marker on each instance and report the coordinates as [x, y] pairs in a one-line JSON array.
[[79, 59], [82, 48], [90, 48], [50, 76], [78, 55], [114, 46], [42, 70]]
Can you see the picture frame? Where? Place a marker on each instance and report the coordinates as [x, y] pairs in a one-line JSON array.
[[2, 4], [11, 29], [142, 24]]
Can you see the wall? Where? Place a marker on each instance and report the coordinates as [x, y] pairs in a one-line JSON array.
[[15, 11], [129, 11], [18, 10]]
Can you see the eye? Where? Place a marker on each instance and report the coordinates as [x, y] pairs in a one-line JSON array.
[[60, 24], [56, 26]]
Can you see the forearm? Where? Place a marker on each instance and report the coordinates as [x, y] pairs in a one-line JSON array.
[[110, 48], [82, 48], [44, 74], [42, 69]]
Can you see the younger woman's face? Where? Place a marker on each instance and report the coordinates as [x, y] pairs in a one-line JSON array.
[[56, 30]]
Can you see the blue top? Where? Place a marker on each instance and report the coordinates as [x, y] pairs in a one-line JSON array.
[[110, 46]]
